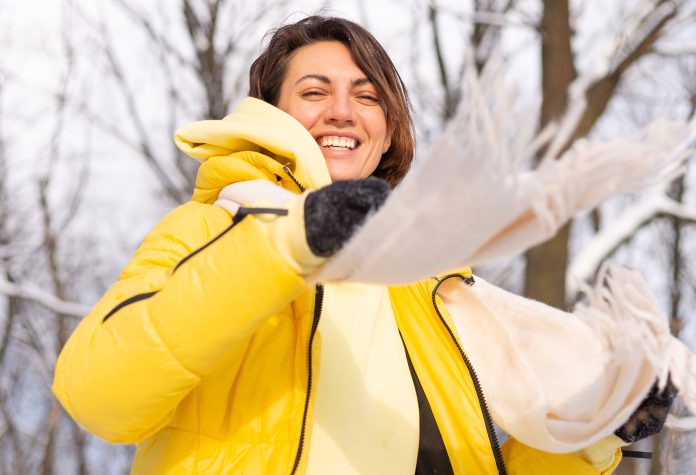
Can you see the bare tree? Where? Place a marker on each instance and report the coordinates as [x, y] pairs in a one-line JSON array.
[[546, 269], [564, 85], [674, 446], [547, 265], [8, 313], [201, 57]]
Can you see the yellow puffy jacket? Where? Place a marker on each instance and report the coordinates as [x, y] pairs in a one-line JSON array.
[[200, 353]]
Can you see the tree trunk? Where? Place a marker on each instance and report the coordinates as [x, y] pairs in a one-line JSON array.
[[546, 269], [547, 263]]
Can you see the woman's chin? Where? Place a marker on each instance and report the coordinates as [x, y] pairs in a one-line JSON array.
[[342, 169]]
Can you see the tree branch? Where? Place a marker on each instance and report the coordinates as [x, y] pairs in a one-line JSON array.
[[174, 188], [622, 230], [19, 459], [591, 92], [155, 36], [449, 106], [48, 300]]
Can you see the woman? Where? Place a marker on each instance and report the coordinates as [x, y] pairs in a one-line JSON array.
[[214, 354]]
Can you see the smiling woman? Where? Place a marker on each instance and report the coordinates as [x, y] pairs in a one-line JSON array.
[[331, 97], [328, 63], [217, 352]]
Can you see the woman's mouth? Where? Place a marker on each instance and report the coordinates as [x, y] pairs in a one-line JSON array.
[[337, 142]]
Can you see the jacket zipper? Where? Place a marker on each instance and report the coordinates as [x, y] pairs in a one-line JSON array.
[[492, 437], [318, 303]]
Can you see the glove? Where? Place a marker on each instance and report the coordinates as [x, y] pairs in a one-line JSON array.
[[318, 223], [645, 421], [333, 213], [650, 416]]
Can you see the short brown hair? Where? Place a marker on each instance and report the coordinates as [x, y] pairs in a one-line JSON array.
[[268, 71]]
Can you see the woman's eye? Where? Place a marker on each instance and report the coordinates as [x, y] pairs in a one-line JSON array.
[[312, 93], [369, 98]]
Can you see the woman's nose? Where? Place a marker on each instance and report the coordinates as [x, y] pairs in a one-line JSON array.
[[340, 110]]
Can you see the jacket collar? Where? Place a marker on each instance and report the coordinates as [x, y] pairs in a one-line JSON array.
[[255, 126]]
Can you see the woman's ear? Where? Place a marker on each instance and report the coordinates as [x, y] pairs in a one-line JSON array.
[[386, 146]]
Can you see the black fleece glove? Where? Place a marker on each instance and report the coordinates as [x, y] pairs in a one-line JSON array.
[[650, 416], [332, 214]]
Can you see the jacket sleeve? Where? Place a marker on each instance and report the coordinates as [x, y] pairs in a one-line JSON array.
[[196, 289], [521, 459]]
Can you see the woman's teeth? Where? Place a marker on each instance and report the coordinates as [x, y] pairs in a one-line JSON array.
[[338, 142]]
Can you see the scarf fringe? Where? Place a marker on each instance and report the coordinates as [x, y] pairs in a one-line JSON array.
[[591, 172], [463, 204], [622, 310]]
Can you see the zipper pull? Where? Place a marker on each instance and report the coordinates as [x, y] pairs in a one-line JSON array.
[[468, 276]]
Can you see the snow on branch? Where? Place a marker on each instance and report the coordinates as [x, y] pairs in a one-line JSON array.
[[683, 49], [640, 27], [638, 35], [48, 300], [681, 424], [586, 264]]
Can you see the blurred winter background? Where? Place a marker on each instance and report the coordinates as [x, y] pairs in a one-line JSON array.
[[91, 92]]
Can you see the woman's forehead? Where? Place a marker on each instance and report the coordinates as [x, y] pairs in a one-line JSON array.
[[326, 62]]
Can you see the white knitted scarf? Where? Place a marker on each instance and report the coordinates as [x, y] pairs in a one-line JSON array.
[[562, 382]]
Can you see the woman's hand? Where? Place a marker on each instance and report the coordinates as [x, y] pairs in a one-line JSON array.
[[335, 212], [650, 416], [310, 227]]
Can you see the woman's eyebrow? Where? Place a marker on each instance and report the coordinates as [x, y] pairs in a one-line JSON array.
[[325, 79], [318, 77], [361, 82]]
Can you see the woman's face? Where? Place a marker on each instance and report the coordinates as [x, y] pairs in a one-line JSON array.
[[333, 99]]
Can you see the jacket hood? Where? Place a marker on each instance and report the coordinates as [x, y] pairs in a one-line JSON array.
[[254, 142]]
